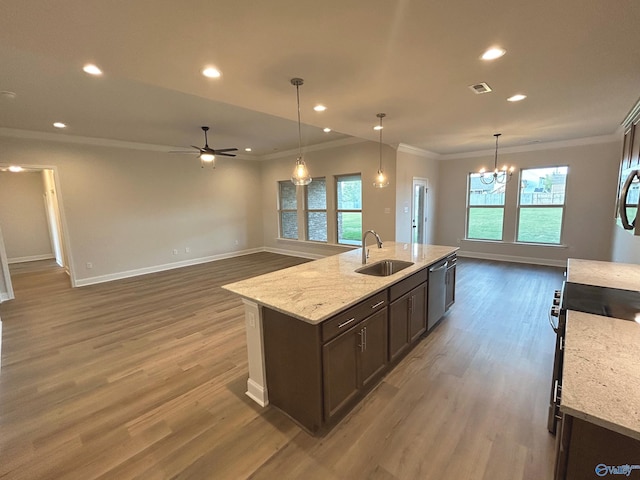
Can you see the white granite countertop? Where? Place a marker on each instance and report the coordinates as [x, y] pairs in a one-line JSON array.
[[601, 374], [604, 274], [317, 290]]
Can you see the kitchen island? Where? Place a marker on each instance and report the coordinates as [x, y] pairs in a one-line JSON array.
[[600, 395], [307, 301]]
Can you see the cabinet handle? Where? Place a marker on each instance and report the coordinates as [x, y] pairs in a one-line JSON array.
[[362, 339], [365, 338], [381, 302], [344, 324]]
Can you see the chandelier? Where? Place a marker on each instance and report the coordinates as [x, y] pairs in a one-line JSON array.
[[497, 176]]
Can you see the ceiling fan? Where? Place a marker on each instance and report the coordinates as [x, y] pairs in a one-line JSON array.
[[208, 154]]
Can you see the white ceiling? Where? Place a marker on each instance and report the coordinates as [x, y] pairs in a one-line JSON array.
[[577, 60]]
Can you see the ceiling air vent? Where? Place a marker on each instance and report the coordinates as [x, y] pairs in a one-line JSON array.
[[479, 88]]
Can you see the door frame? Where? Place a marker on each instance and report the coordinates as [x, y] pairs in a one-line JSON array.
[[424, 182]]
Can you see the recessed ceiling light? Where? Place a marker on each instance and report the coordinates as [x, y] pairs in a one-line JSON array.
[[516, 98], [92, 69], [15, 168], [211, 72], [493, 53], [319, 108], [378, 127], [248, 149], [60, 125], [326, 130]]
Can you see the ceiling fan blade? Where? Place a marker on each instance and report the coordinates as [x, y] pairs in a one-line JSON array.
[[225, 154], [222, 150]]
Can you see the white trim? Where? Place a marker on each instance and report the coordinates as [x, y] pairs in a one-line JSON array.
[[404, 148], [312, 148], [512, 258], [632, 116], [5, 297], [161, 268], [537, 146], [31, 258], [293, 253]]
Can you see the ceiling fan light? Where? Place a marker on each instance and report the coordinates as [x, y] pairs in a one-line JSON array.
[[207, 157]]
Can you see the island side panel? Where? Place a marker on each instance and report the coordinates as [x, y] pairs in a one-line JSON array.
[[293, 362], [257, 382]]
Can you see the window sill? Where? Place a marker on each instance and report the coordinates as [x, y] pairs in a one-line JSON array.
[[524, 244]]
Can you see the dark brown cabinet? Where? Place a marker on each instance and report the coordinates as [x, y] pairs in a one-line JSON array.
[[450, 282], [407, 313], [352, 361]]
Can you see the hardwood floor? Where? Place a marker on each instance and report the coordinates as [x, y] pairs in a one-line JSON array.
[[145, 378]]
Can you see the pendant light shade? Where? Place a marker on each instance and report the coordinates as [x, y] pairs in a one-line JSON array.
[[381, 179], [300, 175]]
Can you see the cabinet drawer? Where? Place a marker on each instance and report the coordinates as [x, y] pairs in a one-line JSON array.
[[352, 316], [403, 286]]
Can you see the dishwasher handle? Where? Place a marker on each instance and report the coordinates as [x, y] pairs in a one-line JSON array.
[[437, 269]]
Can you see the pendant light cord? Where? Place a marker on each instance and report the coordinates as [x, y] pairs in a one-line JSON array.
[[297, 82], [495, 159]]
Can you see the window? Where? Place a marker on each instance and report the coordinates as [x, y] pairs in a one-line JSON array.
[[316, 202], [485, 209], [349, 209], [288, 210], [541, 205]]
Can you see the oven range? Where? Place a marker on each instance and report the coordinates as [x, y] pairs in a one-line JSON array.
[[604, 301]]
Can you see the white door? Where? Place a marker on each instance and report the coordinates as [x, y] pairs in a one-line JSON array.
[[419, 198]]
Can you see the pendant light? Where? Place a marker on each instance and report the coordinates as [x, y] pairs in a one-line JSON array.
[[300, 175], [381, 179], [497, 176]]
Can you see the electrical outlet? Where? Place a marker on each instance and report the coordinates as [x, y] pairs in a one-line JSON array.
[[89, 265], [237, 242], [175, 251], [187, 250]]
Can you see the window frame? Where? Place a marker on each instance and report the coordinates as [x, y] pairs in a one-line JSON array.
[[520, 206], [308, 210], [338, 211], [470, 207], [287, 210]]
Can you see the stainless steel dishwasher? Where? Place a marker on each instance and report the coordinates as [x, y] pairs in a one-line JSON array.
[[437, 293]]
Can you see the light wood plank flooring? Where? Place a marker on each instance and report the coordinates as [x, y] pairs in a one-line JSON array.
[[145, 378]]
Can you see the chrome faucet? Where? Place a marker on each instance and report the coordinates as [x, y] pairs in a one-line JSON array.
[[365, 250]]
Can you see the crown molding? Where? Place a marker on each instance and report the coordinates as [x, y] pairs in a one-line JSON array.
[[92, 141], [633, 116], [313, 148], [614, 137], [419, 152]]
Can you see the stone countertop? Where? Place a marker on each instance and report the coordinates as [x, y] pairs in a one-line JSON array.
[[318, 290], [601, 374], [604, 274]]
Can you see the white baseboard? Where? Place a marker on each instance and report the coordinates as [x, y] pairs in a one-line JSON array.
[[30, 258], [512, 258], [293, 253], [161, 268], [4, 297]]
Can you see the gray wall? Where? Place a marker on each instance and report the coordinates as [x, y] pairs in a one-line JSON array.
[[590, 203], [127, 210], [23, 216]]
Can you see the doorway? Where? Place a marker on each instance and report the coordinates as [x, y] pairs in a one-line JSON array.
[[419, 199], [48, 226]]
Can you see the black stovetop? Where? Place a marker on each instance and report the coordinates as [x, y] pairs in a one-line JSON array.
[[605, 301]]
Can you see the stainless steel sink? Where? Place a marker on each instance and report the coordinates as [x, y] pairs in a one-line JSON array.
[[384, 268]]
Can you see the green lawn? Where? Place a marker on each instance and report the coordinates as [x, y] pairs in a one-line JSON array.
[[351, 227], [537, 225]]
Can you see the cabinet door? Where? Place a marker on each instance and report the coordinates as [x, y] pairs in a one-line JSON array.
[[417, 312], [450, 295], [373, 346], [340, 371], [399, 326]]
